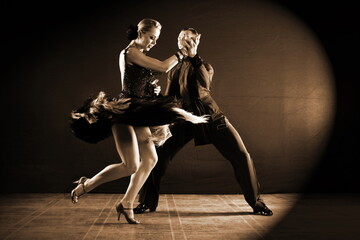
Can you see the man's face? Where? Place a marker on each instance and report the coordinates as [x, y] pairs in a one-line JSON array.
[[183, 36]]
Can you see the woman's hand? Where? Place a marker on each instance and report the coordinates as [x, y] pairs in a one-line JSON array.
[[184, 52]]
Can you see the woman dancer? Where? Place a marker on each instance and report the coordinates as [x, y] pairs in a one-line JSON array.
[[128, 117]]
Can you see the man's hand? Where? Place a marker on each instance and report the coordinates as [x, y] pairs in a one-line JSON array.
[[157, 88]]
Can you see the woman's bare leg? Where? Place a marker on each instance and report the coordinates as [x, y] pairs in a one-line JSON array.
[[148, 158], [127, 147]]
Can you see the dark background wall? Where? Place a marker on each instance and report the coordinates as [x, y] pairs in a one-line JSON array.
[[282, 76]]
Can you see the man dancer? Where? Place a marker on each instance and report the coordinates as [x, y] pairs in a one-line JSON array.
[[189, 82]]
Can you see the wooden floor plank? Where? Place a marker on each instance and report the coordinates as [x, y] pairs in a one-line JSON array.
[[178, 217]]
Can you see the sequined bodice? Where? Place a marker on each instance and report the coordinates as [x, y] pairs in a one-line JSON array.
[[137, 80]]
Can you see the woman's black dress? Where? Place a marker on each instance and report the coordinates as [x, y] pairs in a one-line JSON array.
[[136, 105]]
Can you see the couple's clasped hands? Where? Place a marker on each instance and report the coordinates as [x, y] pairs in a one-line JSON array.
[[188, 45]]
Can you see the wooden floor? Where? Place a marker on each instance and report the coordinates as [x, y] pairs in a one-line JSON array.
[[179, 216]]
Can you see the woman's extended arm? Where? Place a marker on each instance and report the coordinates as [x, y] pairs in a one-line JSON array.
[[136, 56]]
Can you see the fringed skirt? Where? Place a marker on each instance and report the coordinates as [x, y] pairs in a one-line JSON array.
[[93, 120]]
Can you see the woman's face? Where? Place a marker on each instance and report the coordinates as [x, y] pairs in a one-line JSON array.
[[148, 40]]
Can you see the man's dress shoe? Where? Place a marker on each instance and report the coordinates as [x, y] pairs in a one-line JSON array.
[[142, 207], [263, 210]]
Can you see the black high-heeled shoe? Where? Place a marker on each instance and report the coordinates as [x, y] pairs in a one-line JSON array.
[[121, 210], [74, 196]]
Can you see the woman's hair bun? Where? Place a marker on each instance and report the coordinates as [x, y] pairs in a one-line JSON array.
[[132, 32]]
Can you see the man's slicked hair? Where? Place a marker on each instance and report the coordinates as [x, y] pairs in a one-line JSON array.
[[193, 30]]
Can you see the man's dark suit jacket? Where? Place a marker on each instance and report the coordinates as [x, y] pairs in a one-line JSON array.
[[189, 82]]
